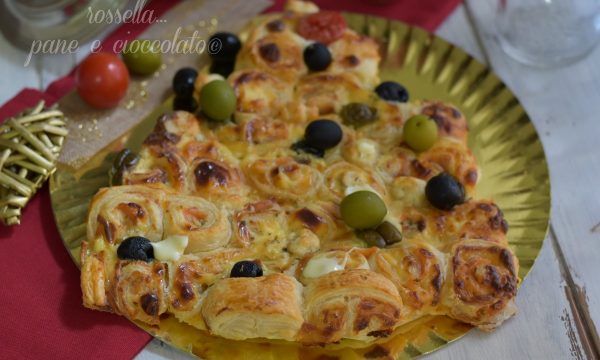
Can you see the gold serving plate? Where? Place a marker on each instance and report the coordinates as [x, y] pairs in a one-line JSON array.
[[503, 139]]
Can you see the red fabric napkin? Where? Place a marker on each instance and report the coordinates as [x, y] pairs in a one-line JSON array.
[[40, 299]]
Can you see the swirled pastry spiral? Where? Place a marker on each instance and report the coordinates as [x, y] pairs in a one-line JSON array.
[[418, 271], [206, 226], [117, 213], [482, 283], [283, 178]]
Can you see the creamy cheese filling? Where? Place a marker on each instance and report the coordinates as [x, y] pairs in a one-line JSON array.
[[171, 248]]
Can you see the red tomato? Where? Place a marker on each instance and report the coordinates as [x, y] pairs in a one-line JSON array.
[[102, 80], [324, 26]]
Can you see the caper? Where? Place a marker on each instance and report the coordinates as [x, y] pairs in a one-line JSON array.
[[358, 114], [371, 237], [389, 232]]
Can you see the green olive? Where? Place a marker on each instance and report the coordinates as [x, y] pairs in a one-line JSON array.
[[363, 210], [389, 232], [217, 100], [420, 132], [142, 57], [371, 237], [358, 114]]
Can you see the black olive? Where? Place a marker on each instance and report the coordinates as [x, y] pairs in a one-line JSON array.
[[358, 114], [183, 82], [444, 192], [136, 248], [246, 268], [389, 232], [317, 56], [302, 146], [371, 237], [222, 67], [392, 91], [124, 160], [184, 103], [323, 134], [224, 46]]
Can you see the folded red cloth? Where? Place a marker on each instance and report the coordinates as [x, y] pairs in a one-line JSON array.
[[40, 301]]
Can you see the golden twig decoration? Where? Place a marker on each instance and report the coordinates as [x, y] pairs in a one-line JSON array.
[[29, 146]]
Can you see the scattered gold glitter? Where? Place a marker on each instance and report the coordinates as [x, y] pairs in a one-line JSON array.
[[214, 21], [144, 83], [163, 66], [202, 23], [130, 104], [80, 126]]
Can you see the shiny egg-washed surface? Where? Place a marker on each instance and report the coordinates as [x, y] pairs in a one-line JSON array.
[[505, 144]]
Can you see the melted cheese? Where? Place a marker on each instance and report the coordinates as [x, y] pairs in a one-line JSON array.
[[367, 150], [171, 248], [322, 264]]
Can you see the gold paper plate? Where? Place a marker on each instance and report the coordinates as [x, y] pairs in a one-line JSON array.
[[503, 139]]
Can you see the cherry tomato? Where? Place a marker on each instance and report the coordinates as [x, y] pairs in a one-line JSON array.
[[102, 80], [325, 26]]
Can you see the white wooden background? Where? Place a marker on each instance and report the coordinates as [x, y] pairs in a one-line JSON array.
[[559, 302]]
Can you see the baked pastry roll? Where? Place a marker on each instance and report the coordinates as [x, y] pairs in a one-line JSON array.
[[259, 92], [320, 217], [207, 148], [475, 219], [449, 119], [172, 130], [482, 283], [329, 92], [94, 278], [158, 166], [283, 178], [356, 304], [263, 307], [417, 269], [190, 277], [187, 282], [396, 162], [252, 129], [138, 290], [387, 130], [408, 191], [343, 177], [358, 54], [261, 227], [217, 181], [278, 53], [451, 156], [206, 226], [119, 212]]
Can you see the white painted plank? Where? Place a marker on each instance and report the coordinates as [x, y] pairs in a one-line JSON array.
[[564, 104]]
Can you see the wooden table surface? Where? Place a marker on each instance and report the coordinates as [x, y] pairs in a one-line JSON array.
[[559, 302]]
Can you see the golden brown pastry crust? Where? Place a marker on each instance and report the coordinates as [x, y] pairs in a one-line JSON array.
[[482, 283], [242, 308], [355, 303]]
